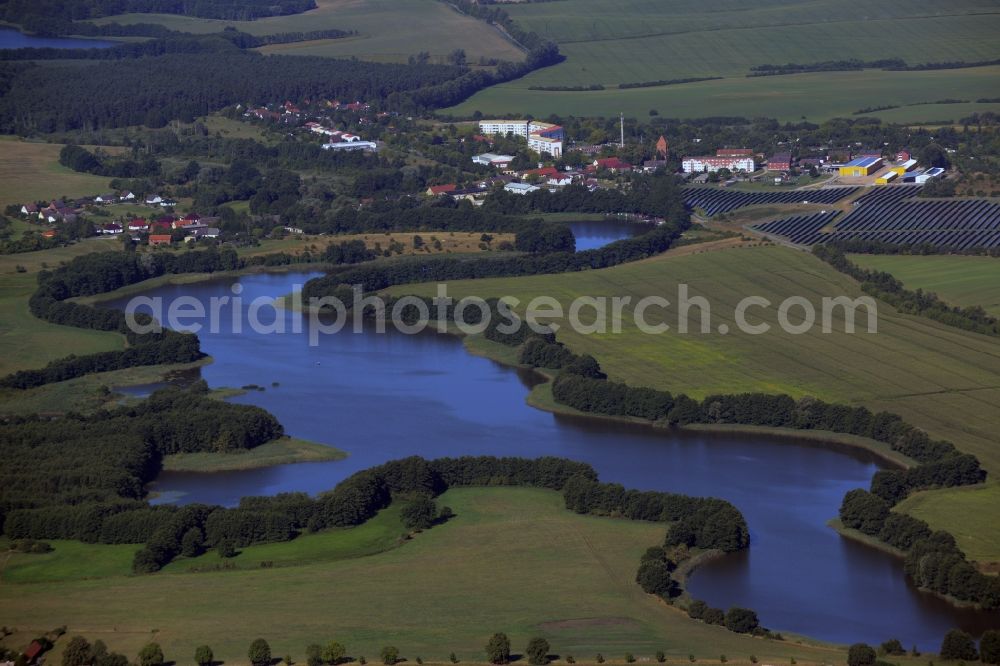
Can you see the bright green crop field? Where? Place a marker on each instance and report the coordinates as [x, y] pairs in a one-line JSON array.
[[956, 280]]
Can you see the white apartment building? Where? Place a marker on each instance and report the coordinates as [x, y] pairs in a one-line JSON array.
[[543, 138], [713, 163]]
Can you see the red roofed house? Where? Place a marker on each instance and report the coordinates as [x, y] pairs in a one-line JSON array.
[[33, 652], [438, 190], [138, 224], [546, 172], [780, 162], [159, 239], [192, 216], [612, 164]]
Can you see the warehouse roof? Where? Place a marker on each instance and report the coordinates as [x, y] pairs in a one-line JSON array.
[[863, 161]]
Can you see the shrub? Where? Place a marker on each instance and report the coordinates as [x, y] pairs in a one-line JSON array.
[[151, 655], [314, 655], [390, 655], [537, 651], [498, 649], [861, 654], [989, 647], [660, 657], [892, 647], [334, 652], [629, 658], [259, 653], [957, 644], [741, 620], [203, 656]]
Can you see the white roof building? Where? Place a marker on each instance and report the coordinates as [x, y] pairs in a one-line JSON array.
[[520, 188]]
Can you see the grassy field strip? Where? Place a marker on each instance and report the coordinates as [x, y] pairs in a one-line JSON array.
[[31, 172], [513, 559], [816, 96], [965, 281], [969, 513], [389, 30]]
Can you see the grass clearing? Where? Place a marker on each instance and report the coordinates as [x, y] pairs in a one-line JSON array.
[[816, 96], [31, 172], [968, 512], [28, 342], [389, 30], [513, 559], [278, 452], [957, 280]]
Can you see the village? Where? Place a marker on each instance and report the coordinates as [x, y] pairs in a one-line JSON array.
[[521, 157]]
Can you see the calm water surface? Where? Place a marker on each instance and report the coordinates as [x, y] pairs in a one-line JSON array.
[[12, 39], [381, 397]]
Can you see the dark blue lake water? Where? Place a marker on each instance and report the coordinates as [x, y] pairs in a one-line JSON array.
[[12, 39]]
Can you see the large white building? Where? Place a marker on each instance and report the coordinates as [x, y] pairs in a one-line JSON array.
[[543, 138], [713, 163]]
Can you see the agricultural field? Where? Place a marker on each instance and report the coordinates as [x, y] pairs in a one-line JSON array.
[[578, 591], [28, 342], [957, 280], [646, 40], [940, 378], [31, 172], [815, 96], [389, 30]]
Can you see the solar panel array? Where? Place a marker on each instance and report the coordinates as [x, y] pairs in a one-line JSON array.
[[887, 194], [801, 230], [714, 201], [957, 224], [892, 215]]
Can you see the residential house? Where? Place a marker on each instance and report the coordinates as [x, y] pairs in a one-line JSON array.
[[652, 165], [34, 652], [106, 199], [154, 200], [520, 188], [110, 229], [159, 239], [138, 224], [128, 196], [438, 190], [780, 162], [612, 164], [167, 203], [29, 209]]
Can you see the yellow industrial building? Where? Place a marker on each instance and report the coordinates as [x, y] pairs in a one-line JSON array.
[[887, 177], [862, 166]]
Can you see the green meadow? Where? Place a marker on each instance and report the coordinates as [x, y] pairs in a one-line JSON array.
[[968, 512], [512, 559], [965, 281]]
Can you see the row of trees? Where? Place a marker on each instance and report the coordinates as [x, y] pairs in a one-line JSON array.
[[933, 559], [885, 287]]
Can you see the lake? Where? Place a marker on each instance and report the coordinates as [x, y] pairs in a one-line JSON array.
[[381, 397], [13, 39]]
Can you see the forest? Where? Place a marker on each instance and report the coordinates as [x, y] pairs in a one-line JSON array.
[[154, 90]]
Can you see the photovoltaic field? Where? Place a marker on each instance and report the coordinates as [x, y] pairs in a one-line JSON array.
[[891, 215], [714, 201]]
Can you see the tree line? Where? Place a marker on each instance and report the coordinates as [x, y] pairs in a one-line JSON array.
[[884, 286]]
